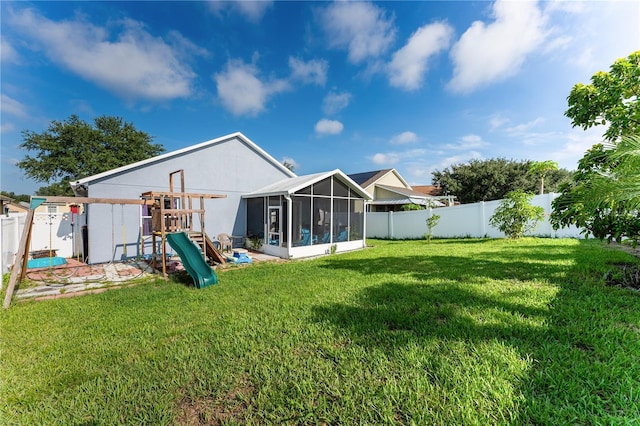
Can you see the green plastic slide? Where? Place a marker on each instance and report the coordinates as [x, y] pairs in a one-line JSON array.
[[192, 260]]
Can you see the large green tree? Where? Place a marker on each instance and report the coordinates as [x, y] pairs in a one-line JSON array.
[[588, 203], [72, 149], [610, 99], [492, 179], [600, 199]]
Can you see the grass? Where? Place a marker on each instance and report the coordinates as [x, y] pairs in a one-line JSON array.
[[405, 332]]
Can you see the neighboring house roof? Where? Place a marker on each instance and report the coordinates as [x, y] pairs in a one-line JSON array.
[[428, 189], [292, 185], [408, 196], [365, 179], [10, 205], [388, 187], [15, 207], [237, 135]]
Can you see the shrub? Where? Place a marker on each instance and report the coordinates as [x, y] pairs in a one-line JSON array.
[[515, 216]]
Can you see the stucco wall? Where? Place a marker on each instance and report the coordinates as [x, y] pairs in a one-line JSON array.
[[230, 168], [391, 179]]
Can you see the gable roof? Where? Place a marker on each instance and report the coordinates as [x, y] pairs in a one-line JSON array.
[[292, 185], [365, 179], [222, 139]]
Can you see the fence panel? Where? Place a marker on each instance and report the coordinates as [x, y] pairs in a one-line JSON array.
[[466, 220], [49, 231], [10, 231]]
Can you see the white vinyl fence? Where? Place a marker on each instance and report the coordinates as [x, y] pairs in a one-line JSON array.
[[465, 220], [50, 231]]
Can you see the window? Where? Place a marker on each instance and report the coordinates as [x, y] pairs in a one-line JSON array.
[[255, 217], [301, 221], [52, 209], [340, 219], [340, 189], [323, 187]]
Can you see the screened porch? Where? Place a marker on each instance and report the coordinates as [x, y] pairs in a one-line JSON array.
[[308, 215]]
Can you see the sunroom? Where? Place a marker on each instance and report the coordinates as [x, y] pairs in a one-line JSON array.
[[307, 216]]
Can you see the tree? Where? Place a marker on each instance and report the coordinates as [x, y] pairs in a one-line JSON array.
[[611, 98], [432, 222], [485, 180], [604, 196], [542, 169], [17, 197], [600, 199], [515, 216], [71, 149]]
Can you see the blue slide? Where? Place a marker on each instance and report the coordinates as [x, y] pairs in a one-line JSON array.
[[192, 260]]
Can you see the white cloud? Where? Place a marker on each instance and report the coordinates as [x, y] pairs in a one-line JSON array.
[[595, 34], [252, 11], [409, 64], [524, 128], [7, 52], [458, 159], [391, 158], [329, 127], [497, 121], [487, 53], [313, 71], [335, 102], [467, 142], [242, 92], [571, 146], [6, 127], [385, 159], [11, 106], [154, 69], [362, 28], [404, 138]]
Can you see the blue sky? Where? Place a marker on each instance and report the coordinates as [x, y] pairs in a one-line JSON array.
[[358, 86]]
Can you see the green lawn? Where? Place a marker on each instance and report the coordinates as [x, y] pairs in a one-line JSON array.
[[405, 332]]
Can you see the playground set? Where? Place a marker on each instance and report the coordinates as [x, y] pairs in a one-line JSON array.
[[177, 219]]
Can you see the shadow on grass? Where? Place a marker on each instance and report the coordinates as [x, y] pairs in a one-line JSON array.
[[582, 342]]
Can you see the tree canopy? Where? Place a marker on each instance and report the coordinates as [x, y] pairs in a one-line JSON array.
[[604, 195], [72, 149], [492, 179], [600, 199], [611, 99], [541, 169]]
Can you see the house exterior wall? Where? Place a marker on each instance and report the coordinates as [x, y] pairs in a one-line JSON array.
[[230, 167], [383, 194], [391, 179]]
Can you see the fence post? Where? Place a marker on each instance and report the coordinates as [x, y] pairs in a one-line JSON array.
[[483, 226], [390, 227]]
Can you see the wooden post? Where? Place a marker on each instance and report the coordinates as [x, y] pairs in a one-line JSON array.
[[20, 263]]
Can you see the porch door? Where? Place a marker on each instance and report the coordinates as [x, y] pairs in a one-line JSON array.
[[274, 224]]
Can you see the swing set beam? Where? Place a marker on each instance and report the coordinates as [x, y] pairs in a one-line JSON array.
[[20, 265]]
